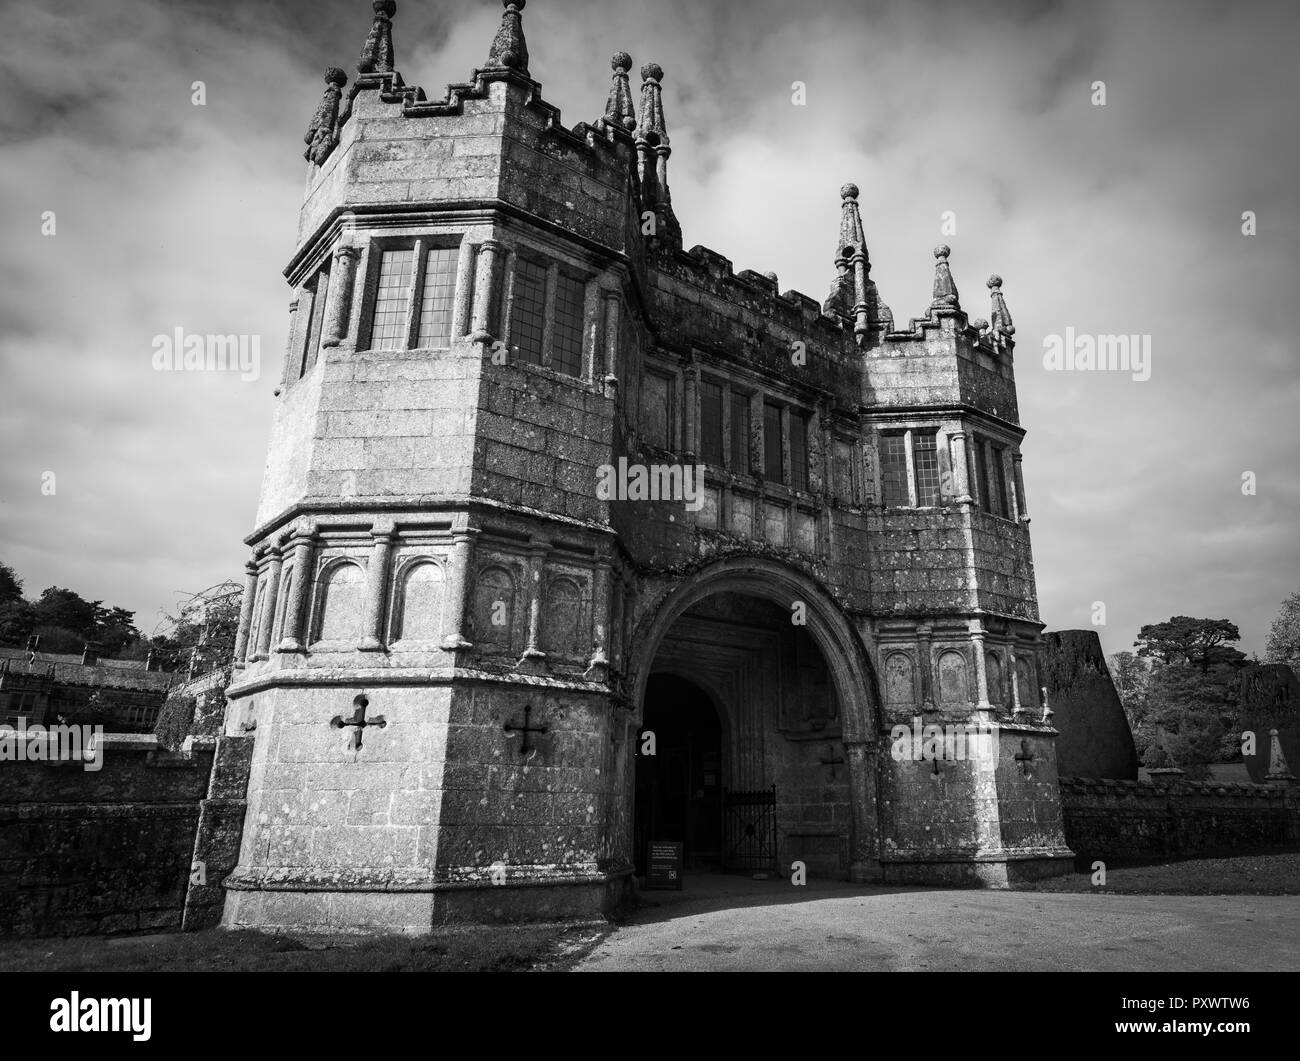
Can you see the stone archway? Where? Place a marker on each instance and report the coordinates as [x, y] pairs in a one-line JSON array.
[[846, 661]]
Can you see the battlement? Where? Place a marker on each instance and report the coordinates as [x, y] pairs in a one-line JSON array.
[[512, 146], [415, 104]]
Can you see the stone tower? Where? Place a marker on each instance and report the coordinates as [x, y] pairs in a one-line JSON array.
[[480, 677]]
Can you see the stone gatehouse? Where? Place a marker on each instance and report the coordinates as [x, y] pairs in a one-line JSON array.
[[454, 646]]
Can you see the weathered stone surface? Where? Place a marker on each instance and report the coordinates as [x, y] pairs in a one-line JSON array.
[[1172, 818], [85, 852], [1095, 739], [1269, 699], [582, 338]]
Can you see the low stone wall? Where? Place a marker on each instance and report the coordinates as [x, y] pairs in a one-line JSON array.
[[1175, 817], [220, 830], [113, 850]]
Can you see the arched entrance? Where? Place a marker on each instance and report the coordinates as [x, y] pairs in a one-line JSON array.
[[679, 786], [764, 647]]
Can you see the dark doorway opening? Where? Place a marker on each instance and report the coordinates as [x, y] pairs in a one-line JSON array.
[[679, 788]]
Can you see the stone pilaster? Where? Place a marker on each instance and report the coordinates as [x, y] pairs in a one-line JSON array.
[[757, 457], [1022, 508], [376, 587], [925, 664], [912, 499], [462, 303], [611, 299], [787, 468], [303, 550], [338, 311], [486, 289], [981, 673], [263, 648], [458, 569], [245, 614], [290, 344], [533, 655], [691, 425], [419, 262], [819, 449], [960, 468], [1017, 709], [598, 667]]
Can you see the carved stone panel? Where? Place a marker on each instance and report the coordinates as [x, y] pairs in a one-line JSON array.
[[341, 607], [954, 678], [1028, 682], [418, 602], [900, 679], [565, 634], [993, 677], [494, 608]]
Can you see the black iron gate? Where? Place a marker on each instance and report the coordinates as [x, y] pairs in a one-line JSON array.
[[749, 830]]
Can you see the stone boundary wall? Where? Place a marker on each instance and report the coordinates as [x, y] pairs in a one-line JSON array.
[[87, 852], [1175, 818]]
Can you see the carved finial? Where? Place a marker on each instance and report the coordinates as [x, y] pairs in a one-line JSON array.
[[945, 291], [1278, 770], [619, 111], [854, 294], [653, 149], [320, 138], [377, 54], [1001, 324], [852, 241], [509, 49], [652, 106]]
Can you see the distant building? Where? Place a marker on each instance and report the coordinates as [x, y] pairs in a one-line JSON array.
[[48, 687]]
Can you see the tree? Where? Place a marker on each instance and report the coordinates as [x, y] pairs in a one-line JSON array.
[[205, 622], [1132, 676], [115, 630], [1199, 642], [70, 611], [11, 586], [16, 615], [1129, 674], [1189, 719], [1284, 636], [17, 621], [17, 618]]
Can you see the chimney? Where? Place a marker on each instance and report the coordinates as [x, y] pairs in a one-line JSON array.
[[90, 654]]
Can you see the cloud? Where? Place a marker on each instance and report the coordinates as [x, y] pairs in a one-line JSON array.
[[1122, 219]]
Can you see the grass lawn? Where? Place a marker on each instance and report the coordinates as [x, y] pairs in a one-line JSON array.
[[495, 948]]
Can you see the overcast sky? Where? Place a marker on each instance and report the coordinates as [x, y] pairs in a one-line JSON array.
[[1122, 219]]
